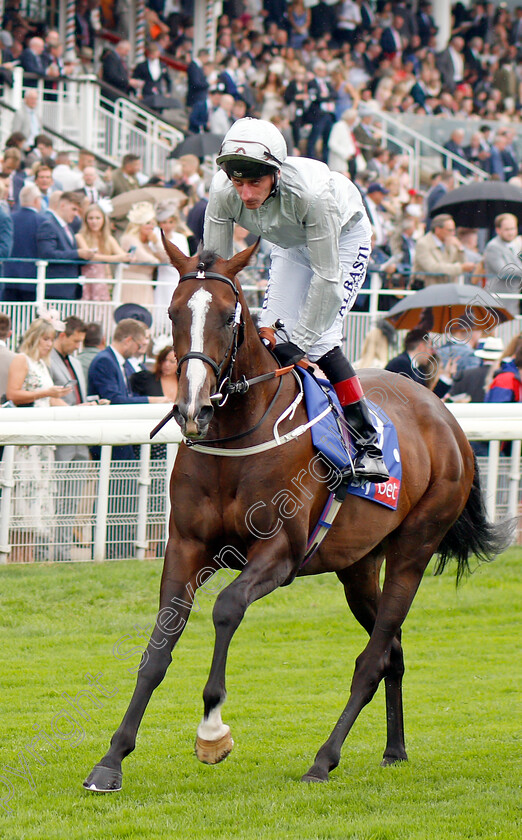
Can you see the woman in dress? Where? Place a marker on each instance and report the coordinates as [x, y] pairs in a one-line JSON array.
[[95, 233], [176, 231], [29, 384], [142, 240]]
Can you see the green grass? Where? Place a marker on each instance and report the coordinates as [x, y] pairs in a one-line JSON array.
[[289, 673]]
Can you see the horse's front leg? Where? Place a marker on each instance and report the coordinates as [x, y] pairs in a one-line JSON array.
[[269, 565], [183, 560]]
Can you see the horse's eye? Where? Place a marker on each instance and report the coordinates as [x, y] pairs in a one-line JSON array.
[[230, 320]]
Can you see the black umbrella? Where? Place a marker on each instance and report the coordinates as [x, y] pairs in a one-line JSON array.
[[476, 205], [439, 306], [201, 145]]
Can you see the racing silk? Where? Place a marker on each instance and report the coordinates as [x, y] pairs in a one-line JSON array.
[[312, 208]]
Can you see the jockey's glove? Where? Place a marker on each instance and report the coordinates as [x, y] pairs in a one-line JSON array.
[[288, 353]]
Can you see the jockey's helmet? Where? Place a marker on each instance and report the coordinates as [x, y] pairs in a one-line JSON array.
[[251, 149]]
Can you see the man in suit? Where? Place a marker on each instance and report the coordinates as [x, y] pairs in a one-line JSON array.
[[415, 362], [157, 85], [67, 371], [55, 241], [439, 256], [197, 83], [6, 230], [32, 62], [124, 179], [426, 26], [27, 119], [26, 221], [109, 379], [391, 40], [115, 71], [442, 183], [450, 64], [454, 145], [502, 262], [365, 135], [320, 111], [500, 161], [6, 355], [204, 108]]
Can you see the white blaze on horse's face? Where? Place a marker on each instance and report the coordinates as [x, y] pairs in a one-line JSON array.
[[199, 305]]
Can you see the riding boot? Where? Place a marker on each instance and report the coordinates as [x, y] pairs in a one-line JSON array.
[[368, 462]]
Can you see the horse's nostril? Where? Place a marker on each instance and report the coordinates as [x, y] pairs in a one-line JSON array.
[[205, 415]]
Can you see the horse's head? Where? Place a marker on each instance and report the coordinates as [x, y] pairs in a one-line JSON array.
[[207, 321]]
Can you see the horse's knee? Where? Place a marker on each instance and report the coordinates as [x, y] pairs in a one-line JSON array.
[[228, 610], [369, 671]]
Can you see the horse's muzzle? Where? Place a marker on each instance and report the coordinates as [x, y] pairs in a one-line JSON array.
[[194, 425]]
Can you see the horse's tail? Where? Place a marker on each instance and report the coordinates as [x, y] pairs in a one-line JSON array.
[[472, 534]]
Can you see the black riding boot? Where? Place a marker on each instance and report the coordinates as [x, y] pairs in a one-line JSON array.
[[368, 462]]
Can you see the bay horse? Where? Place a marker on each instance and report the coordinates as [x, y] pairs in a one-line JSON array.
[[238, 513]]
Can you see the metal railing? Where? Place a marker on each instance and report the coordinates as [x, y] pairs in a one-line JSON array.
[[398, 131], [107, 509], [80, 109]]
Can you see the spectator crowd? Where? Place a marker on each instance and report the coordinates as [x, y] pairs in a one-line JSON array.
[[323, 74]]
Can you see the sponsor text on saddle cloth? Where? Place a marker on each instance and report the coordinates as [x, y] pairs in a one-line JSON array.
[[331, 439]]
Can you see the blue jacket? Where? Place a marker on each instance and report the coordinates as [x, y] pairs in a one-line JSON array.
[[52, 243], [506, 386], [107, 381], [25, 225], [6, 240]]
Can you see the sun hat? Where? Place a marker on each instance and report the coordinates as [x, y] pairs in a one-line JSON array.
[[166, 209], [141, 213], [489, 348]]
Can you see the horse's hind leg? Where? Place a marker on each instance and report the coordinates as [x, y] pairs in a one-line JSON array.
[[406, 561], [177, 591], [362, 590], [267, 569]]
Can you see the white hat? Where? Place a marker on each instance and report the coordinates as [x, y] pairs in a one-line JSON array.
[[160, 343], [490, 348], [166, 209], [141, 213]]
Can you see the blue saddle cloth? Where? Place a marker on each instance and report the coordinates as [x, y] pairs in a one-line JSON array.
[[332, 439]]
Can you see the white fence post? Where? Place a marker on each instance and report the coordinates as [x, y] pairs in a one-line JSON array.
[[514, 478], [41, 277], [102, 504], [5, 505], [143, 498], [492, 478]]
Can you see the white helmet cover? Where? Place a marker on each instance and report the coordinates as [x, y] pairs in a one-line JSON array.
[[252, 141]]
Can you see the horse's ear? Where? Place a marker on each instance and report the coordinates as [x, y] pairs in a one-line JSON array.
[[177, 257], [240, 260]]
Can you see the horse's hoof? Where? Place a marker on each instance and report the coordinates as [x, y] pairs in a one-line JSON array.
[[390, 760], [103, 780], [315, 775], [212, 752]]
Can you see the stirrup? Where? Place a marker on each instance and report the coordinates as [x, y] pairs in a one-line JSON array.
[[370, 467]]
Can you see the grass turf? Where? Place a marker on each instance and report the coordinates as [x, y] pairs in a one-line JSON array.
[[289, 672]]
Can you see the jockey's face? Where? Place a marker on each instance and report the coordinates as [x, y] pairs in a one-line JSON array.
[[253, 191]]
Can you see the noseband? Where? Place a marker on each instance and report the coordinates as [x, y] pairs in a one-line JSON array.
[[236, 340]]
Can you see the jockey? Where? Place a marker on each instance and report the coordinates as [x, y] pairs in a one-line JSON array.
[[321, 243]]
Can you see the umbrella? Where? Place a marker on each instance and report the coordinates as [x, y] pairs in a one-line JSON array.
[[439, 306], [477, 205], [201, 145], [122, 203]]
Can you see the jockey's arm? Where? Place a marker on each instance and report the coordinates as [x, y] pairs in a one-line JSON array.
[[219, 226], [323, 230]]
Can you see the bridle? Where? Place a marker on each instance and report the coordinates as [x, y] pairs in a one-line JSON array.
[[225, 386], [228, 360]]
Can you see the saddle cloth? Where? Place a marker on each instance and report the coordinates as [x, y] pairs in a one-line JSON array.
[[332, 439]]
